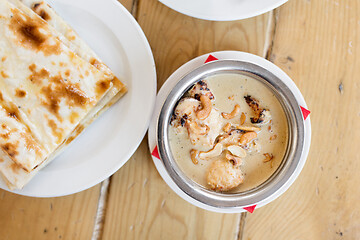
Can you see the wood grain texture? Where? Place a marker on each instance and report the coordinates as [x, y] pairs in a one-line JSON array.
[[128, 4], [70, 217], [140, 204], [318, 43], [176, 38]]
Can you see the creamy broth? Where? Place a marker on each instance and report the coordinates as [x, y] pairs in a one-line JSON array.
[[229, 90]]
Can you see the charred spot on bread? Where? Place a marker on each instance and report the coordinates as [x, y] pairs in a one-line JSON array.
[[30, 35], [41, 12], [102, 86], [10, 149], [20, 93]]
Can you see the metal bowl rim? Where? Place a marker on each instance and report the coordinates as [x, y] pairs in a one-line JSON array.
[[265, 190]]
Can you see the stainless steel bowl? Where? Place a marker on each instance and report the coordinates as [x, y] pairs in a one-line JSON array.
[[288, 164]]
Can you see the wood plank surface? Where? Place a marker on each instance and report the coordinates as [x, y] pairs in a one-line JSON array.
[[130, 5], [70, 217], [318, 44], [176, 38], [140, 204]]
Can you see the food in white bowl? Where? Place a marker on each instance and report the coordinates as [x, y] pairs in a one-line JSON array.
[[228, 133]]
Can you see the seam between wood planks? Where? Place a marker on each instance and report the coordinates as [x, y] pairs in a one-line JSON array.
[[238, 230], [101, 210], [240, 234], [270, 34], [134, 9], [268, 47]]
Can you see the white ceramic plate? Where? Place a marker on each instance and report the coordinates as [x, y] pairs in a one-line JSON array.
[[222, 10], [190, 66], [109, 142]]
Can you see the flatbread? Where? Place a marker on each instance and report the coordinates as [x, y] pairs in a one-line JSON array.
[[71, 39], [61, 88]]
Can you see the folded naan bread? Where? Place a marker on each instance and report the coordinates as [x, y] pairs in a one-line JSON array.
[[52, 87]]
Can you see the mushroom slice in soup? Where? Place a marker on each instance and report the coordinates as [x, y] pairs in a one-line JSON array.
[[262, 116], [200, 88]]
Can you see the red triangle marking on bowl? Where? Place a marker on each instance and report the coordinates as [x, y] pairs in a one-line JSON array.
[[211, 58], [305, 112], [155, 153], [250, 209]]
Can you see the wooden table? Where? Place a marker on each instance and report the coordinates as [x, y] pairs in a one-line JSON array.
[[317, 43]]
